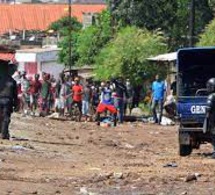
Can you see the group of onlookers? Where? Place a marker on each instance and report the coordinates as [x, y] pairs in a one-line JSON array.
[[46, 95]]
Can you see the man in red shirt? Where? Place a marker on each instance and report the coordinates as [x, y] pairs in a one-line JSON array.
[[35, 88], [77, 91]]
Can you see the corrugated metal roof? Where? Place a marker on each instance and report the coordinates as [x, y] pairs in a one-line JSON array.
[[40, 16], [37, 50], [89, 1], [164, 57]]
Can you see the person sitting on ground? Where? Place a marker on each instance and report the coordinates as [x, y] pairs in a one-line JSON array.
[[106, 103]]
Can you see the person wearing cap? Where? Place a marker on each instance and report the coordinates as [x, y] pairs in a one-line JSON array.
[[77, 92], [8, 98]]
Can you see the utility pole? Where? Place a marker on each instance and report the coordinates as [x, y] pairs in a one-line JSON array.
[[70, 36], [192, 23]]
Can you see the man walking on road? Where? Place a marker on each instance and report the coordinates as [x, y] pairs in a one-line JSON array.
[[158, 96]]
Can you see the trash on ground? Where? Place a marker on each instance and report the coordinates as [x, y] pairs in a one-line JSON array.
[[129, 146], [170, 165], [83, 191], [18, 147], [137, 112], [167, 121], [192, 177]]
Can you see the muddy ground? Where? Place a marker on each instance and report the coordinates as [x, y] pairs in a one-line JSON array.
[[55, 157]]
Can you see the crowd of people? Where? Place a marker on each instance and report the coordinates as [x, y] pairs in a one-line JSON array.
[[66, 96], [46, 95]]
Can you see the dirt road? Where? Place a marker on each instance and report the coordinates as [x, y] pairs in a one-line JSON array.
[[55, 157]]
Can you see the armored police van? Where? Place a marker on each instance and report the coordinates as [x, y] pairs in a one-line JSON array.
[[195, 66]]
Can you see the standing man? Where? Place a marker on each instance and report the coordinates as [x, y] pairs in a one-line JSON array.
[[25, 86], [87, 97], [8, 98], [61, 93], [77, 91], [158, 96], [130, 91], [120, 96], [58, 87], [209, 123], [45, 95], [35, 88]]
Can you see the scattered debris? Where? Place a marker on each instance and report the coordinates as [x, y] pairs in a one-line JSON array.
[[167, 121], [18, 147], [58, 192], [13, 138], [118, 175], [55, 115], [105, 124], [95, 169], [136, 112], [129, 146], [83, 191], [192, 177], [170, 165]]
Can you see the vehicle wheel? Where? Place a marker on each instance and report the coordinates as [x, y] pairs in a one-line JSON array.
[[185, 150]]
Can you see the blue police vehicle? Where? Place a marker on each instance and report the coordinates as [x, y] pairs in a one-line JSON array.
[[195, 66]]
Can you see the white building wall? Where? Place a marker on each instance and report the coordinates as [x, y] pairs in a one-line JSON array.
[[52, 68], [21, 66]]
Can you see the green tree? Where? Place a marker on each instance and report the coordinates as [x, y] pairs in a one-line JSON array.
[[68, 28], [172, 17], [127, 54], [93, 38], [62, 25], [208, 37]]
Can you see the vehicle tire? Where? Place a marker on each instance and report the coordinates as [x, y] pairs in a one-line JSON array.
[[185, 150]]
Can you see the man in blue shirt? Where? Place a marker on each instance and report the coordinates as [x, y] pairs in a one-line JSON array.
[[158, 96]]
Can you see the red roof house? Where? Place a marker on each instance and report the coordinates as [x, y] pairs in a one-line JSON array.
[[40, 16]]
